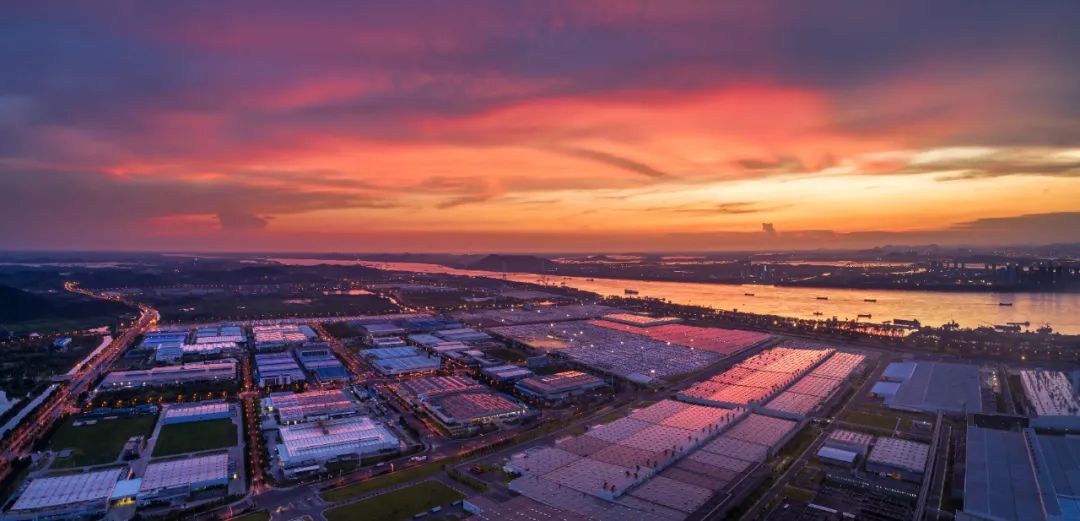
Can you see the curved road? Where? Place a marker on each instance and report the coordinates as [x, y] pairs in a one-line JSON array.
[[24, 437]]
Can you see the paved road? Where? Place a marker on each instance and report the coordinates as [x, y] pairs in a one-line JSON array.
[[38, 423]]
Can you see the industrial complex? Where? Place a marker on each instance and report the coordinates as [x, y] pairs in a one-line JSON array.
[[663, 418]]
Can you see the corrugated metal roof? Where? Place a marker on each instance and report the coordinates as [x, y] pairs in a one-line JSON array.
[[899, 370], [887, 389], [998, 480], [837, 454]]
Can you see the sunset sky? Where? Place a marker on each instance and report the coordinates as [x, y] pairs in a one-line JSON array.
[[537, 126]]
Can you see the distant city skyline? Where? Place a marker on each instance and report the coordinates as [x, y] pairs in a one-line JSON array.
[[537, 127]]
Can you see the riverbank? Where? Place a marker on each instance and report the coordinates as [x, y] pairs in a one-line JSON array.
[[966, 309]]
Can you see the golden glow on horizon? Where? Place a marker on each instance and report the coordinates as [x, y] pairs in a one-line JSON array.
[[649, 163]]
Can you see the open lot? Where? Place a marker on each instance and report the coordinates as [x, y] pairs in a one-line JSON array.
[[99, 443], [397, 505], [180, 438]]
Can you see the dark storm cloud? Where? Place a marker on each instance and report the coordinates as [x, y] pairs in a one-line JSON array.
[[180, 95], [613, 160], [230, 220], [95, 203], [105, 69]]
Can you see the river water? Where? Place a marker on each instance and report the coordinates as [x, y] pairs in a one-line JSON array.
[[969, 309]]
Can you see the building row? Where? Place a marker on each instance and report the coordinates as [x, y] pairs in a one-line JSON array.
[[224, 370], [305, 448], [280, 336], [88, 494], [283, 368]]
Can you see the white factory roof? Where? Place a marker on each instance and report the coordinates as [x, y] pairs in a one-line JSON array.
[[171, 374], [902, 454], [836, 454], [278, 333], [839, 366], [325, 440], [209, 347], [185, 471], [763, 430], [219, 339], [850, 438], [70, 489], [196, 409], [446, 347]]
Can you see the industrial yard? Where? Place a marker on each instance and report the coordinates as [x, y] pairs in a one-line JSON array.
[[573, 410]]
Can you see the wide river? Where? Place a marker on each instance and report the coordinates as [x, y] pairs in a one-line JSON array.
[[969, 309]]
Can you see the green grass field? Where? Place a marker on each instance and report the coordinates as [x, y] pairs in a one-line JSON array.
[[371, 485], [180, 438], [397, 505], [99, 443], [258, 515], [873, 420], [798, 494], [611, 416]]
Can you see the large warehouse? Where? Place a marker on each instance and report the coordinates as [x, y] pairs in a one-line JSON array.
[[306, 447], [935, 386], [393, 361], [559, 386], [196, 412], [1021, 476], [177, 478], [276, 369], [68, 495], [321, 363], [434, 386], [465, 413], [662, 462], [220, 333], [897, 456], [172, 375], [152, 339], [279, 336], [311, 406]]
